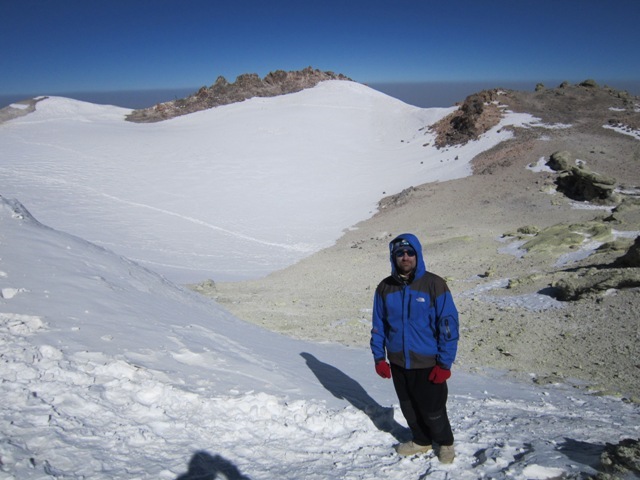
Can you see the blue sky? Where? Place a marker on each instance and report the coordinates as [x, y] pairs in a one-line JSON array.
[[52, 47]]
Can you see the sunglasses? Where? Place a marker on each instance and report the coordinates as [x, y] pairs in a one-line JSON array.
[[401, 253]]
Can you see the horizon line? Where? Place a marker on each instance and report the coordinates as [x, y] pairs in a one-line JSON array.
[[446, 92]]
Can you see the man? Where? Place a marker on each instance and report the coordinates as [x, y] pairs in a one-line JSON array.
[[415, 327]]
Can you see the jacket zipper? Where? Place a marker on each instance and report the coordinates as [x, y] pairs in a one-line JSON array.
[[405, 292]]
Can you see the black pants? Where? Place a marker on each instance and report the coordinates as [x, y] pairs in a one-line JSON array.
[[424, 405]]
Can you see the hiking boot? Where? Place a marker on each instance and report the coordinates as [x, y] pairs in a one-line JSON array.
[[411, 448], [446, 454]]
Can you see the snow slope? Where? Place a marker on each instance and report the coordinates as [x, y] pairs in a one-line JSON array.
[[271, 180], [110, 371]]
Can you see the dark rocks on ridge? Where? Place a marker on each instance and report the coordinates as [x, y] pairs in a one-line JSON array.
[[246, 86]]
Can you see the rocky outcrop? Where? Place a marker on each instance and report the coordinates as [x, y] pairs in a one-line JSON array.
[[594, 281], [632, 257], [477, 114], [19, 109], [578, 182], [620, 461], [223, 93], [561, 161], [481, 111], [398, 199], [626, 215], [624, 272]]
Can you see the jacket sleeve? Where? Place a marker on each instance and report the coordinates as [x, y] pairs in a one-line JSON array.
[[378, 338], [448, 329]]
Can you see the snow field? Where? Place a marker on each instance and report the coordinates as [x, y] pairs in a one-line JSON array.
[[90, 415], [74, 408], [187, 196]]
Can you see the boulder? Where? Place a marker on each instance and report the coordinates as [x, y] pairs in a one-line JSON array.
[[595, 281], [561, 161], [581, 184], [578, 182], [632, 257], [626, 214], [589, 83], [620, 461]]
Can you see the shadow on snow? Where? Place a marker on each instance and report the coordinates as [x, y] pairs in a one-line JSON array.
[[204, 466], [346, 388]]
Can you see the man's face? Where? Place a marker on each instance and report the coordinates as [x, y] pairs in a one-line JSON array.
[[405, 261]]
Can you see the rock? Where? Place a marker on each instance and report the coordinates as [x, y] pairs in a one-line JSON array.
[[396, 200], [590, 281], [627, 204], [19, 109], [620, 461], [618, 246], [589, 83], [626, 214], [622, 273], [207, 287], [584, 185], [632, 257], [561, 161], [529, 230], [563, 237], [527, 280], [578, 182], [475, 116]]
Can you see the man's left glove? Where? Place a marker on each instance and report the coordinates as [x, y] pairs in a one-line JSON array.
[[439, 374]]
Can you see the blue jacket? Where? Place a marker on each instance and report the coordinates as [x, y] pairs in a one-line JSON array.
[[415, 322]]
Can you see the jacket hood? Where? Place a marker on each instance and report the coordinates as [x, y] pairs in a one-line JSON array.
[[415, 243]]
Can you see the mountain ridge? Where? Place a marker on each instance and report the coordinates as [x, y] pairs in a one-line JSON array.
[[248, 85]]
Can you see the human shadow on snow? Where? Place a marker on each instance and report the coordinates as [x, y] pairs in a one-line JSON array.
[[346, 388], [204, 466], [582, 452]]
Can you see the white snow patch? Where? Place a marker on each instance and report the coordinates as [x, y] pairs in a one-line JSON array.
[[631, 191], [625, 130], [585, 205], [625, 233], [534, 302], [8, 293], [586, 250], [512, 246], [537, 472], [19, 106], [540, 166]]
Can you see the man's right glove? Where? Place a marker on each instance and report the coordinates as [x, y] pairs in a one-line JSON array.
[[383, 369]]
